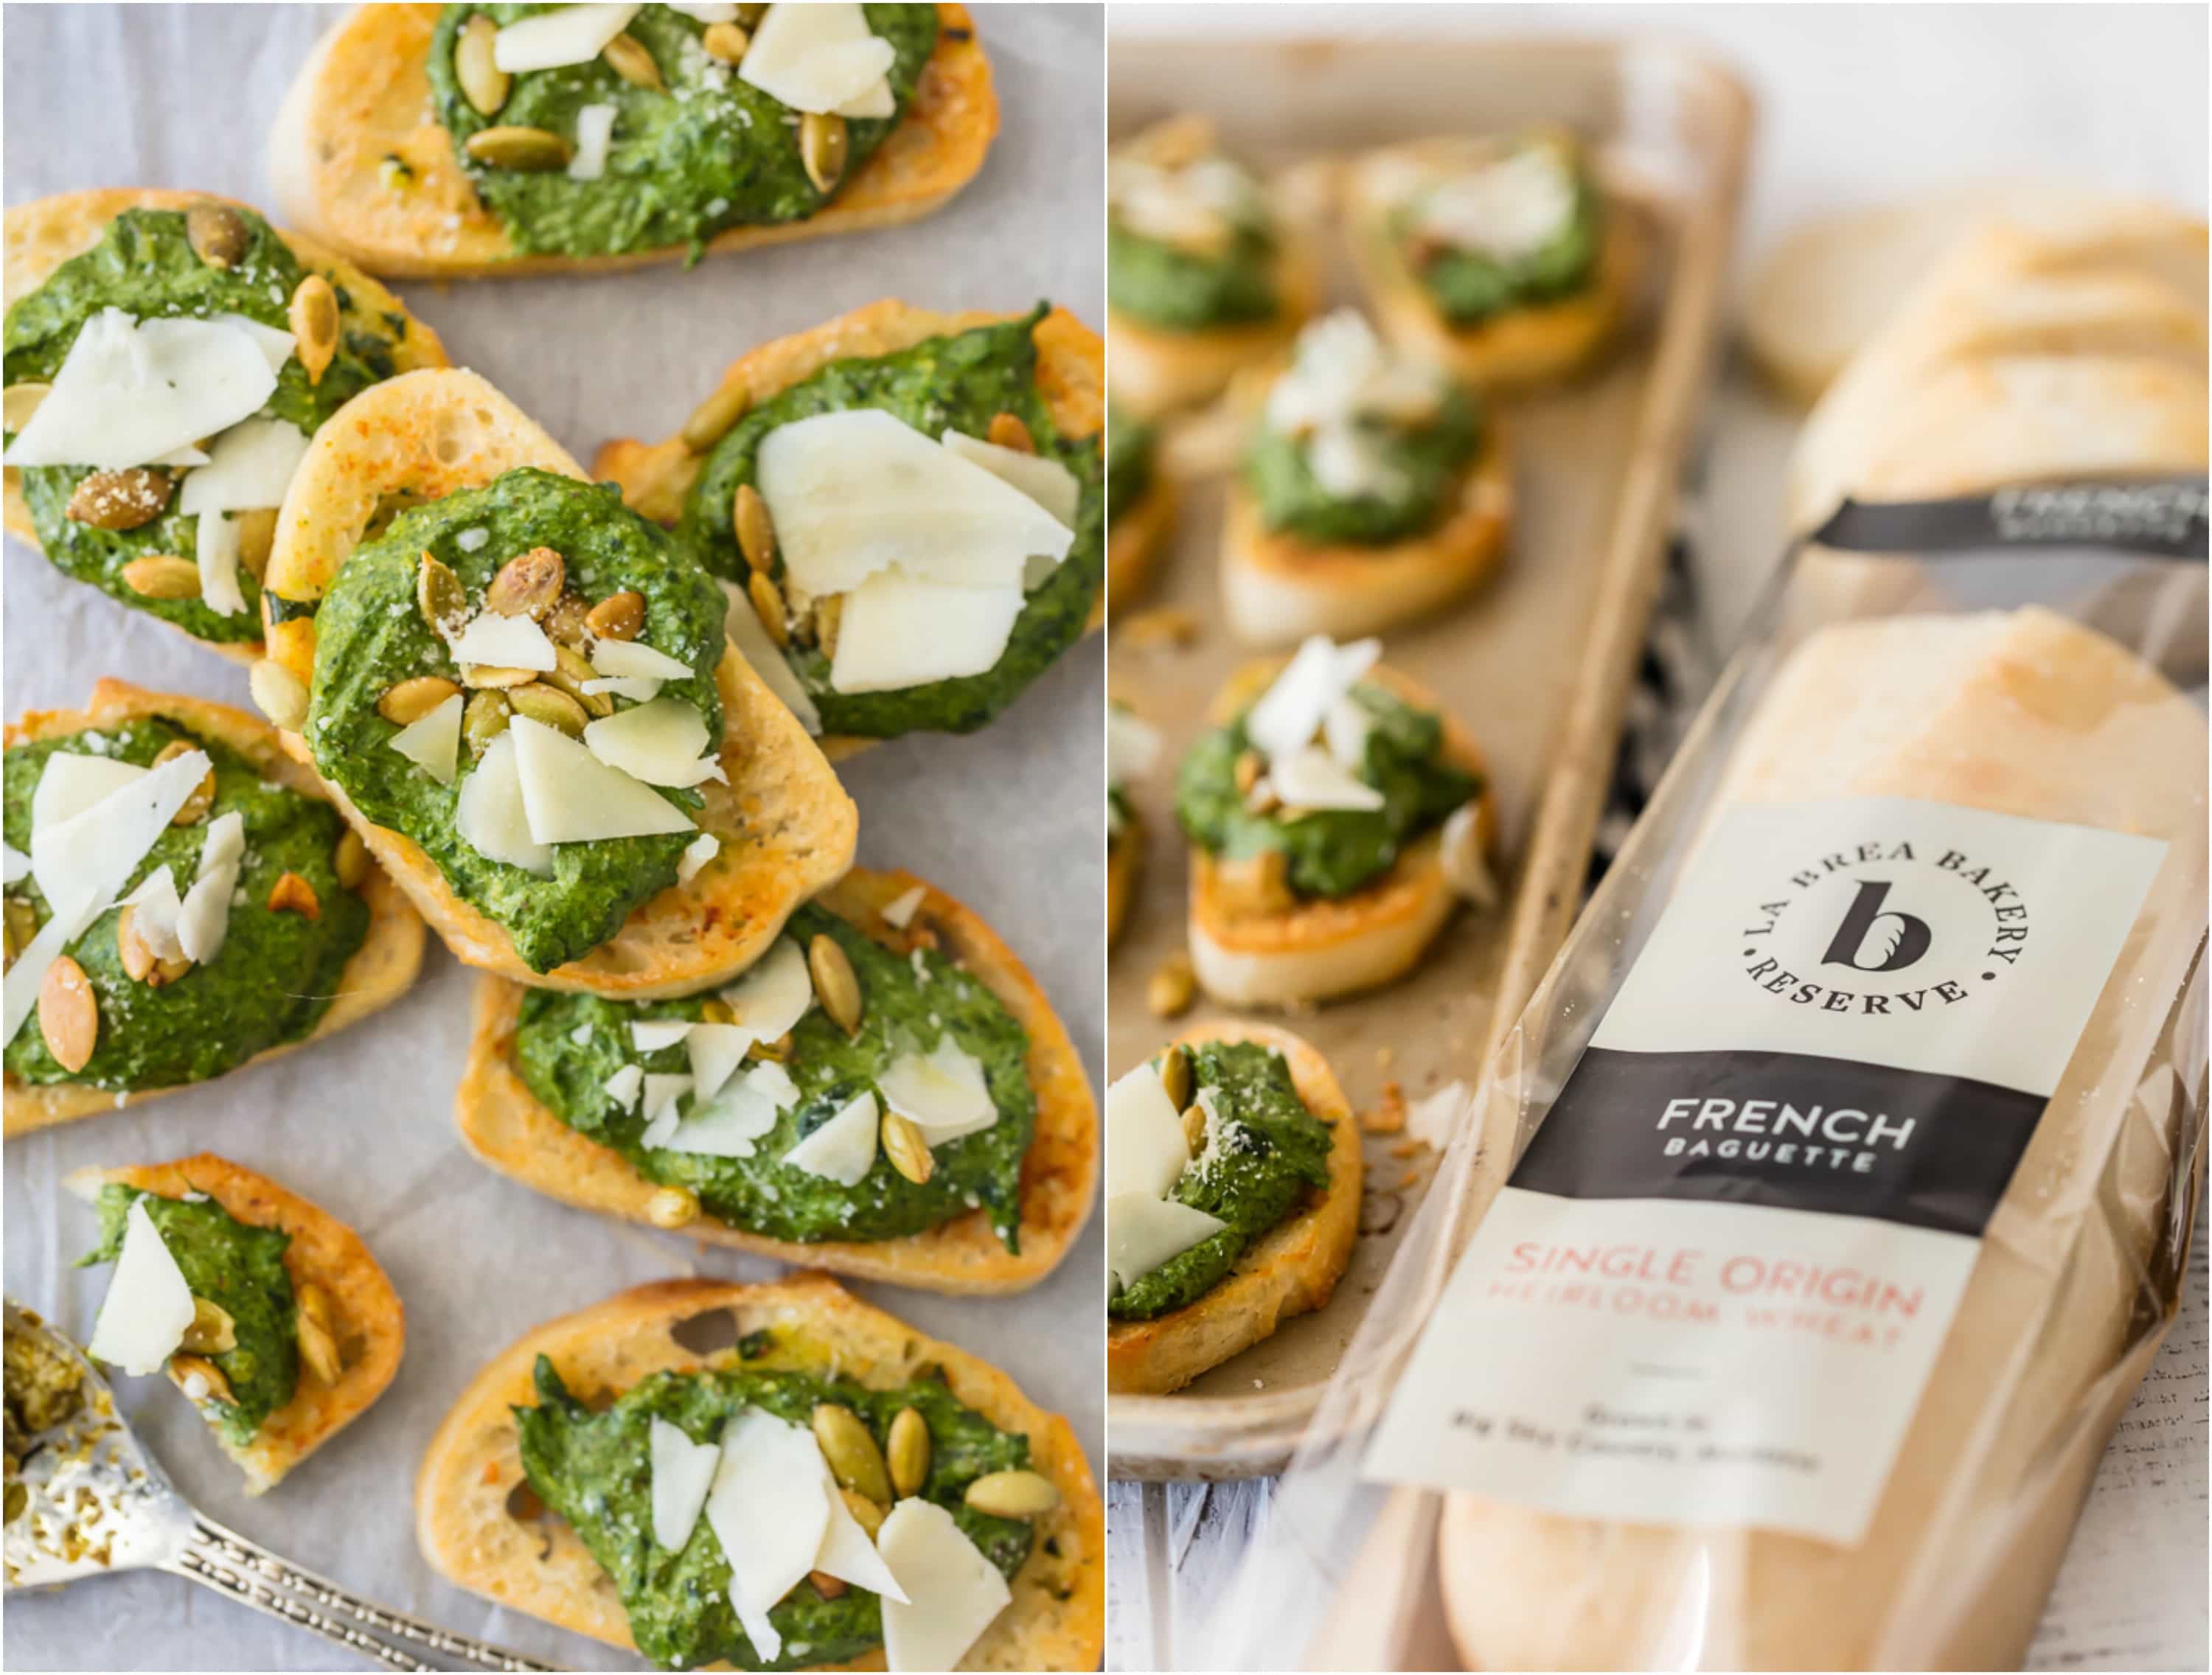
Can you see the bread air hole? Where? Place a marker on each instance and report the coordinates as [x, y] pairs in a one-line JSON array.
[[711, 1333]]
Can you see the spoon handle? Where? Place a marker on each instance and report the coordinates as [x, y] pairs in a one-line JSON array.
[[240, 1569]]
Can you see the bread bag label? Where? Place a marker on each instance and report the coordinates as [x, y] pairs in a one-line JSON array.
[[1714, 1288], [2155, 519]]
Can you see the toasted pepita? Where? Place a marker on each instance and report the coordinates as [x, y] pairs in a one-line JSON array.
[[865, 1513], [1176, 1077], [850, 1449], [626, 55], [1248, 766], [69, 1014], [19, 402], [200, 1379], [617, 617], [823, 145], [212, 1331], [1012, 1494], [163, 576], [527, 584], [829, 615], [567, 624], [726, 41], [351, 861], [711, 419], [194, 808], [672, 1207], [908, 1453], [278, 692], [216, 233], [480, 675], [549, 707], [768, 605], [484, 83], [257, 538], [1008, 431], [1194, 1130], [568, 673], [909, 1152], [313, 317], [291, 893], [129, 499], [1173, 987], [526, 150], [717, 1011], [22, 925], [828, 1586], [317, 1325], [411, 699], [137, 959], [836, 985], [441, 595], [483, 719], [749, 16], [756, 529]]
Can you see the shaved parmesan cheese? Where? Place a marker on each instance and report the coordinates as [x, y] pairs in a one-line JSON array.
[[631, 657], [131, 390], [564, 35], [1132, 748], [877, 102], [1290, 712], [432, 742], [572, 796], [1507, 210], [750, 636], [732, 1125], [771, 997], [1311, 778], [69, 784], [1466, 863], [624, 1085], [1047, 482], [715, 1050], [147, 1306], [855, 492], [595, 129], [772, 1082], [15, 864], [275, 343], [1143, 1231], [706, 11], [661, 1094], [695, 856], [664, 742], [489, 813], [945, 1095], [1145, 1151], [215, 547], [896, 631], [847, 1554], [636, 688], [154, 910], [683, 1472], [203, 921], [248, 469], [652, 1034], [816, 58], [843, 1149], [1344, 728], [504, 642], [769, 1508], [952, 1591], [899, 912]]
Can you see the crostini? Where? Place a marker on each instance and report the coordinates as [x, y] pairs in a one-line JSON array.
[[464, 142], [265, 1310], [1132, 750], [1373, 490], [834, 1490], [887, 1093], [911, 504], [190, 904], [1232, 1195], [1336, 814], [520, 693], [1203, 277], [1140, 507], [194, 348], [1499, 259]]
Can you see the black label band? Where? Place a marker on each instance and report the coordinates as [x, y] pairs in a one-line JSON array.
[[2158, 518]]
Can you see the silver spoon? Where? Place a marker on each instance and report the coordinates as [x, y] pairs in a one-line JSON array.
[[94, 1501]]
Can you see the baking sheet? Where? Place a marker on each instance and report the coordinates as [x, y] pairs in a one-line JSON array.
[[1009, 821]]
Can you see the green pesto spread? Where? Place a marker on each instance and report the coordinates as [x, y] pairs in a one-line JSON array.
[[1264, 1151], [1328, 853], [1227, 278], [594, 1469], [1420, 467], [241, 1270], [703, 152], [144, 265], [1131, 450], [961, 381], [568, 1045], [370, 636], [275, 973], [1471, 285]]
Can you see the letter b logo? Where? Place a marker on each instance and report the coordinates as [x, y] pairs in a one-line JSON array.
[[1894, 940]]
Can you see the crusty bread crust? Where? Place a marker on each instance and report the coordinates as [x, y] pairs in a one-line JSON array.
[[1134, 541], [372, 1326], [364, 95], [1157, 372], [504, 1124], [43, 234], [1277, 589], [1125, 861], [1057, 1617], [1292, 1270], [787, 827], [1321, 949], [380, 970]]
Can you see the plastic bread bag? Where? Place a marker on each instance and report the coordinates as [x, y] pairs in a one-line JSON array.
[[1805, 1237]]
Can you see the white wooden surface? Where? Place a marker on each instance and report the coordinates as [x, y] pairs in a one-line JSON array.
[[1858, 105]]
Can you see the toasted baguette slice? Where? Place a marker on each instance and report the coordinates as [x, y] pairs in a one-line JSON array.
[[1157, 372], [43, 234], [370, 1325], [787, 827], [1292, 1270], [1320, 950], [1134, 540], [364, 96], [1057, 1616], [1277, 589], [380, 970], [1125, 861], [504, 1124]]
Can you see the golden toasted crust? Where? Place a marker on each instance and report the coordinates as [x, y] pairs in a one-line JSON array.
[[1125, 860], [505, 1126], [1057, 1616], [1292, 1270], [364, 96], [43, 234], [1133, 542], [371, 1325], [381, 968], [785, 825], [1157, 372]]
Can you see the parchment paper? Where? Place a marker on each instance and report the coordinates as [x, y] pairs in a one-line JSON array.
[[1009, 820]]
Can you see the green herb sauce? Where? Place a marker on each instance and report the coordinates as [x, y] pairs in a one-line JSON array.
[[1469, 286], [1177, 287], [1428, 461], [1132, 447]]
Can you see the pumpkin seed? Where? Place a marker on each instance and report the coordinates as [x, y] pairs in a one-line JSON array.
[[129, 499], [854, 1459], [1175, 1077], [726, 41], [200, 1379], [1012, 1494], [278, 692], [212, 1331], [828, 615], [22, 925], [1007, 431], [835, 985], [484, 83], [527, 584], [626, 55], [484, 719], [779, 1050], [131, 948], [351, 861], [19, 402], [313, 317], [1194, 1130], [750, 16], [163, 576], [822, 148], [617, 617], [69, 1016], [292, 894], [440, 596], [526, 150], [756, 529], [717, 1011], [216, 234], [828, 1586], [1172, 987], [672, 1207], [907, 1455], [481, 674], [1247, 772], [909, 1152], [567, 624], [316, 1328], [549, 707], [568, 673], [865, 1513], [768, 605], [195, 807], [711, 419], [257, 538], [410, 701]]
